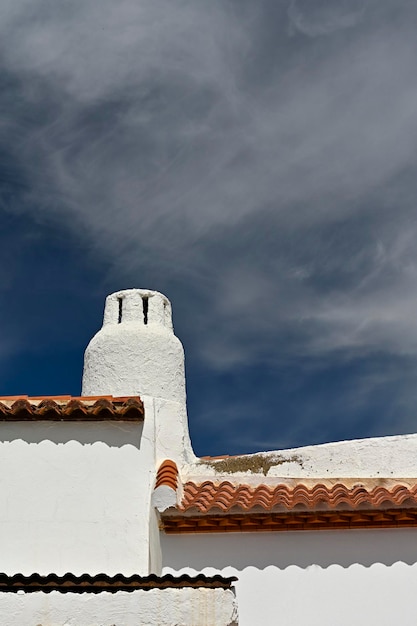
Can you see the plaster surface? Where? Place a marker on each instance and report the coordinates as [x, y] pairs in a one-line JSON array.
[[389, 457], [319, 578], [154, 607], [76, 497], [282, 549], [378, 595]]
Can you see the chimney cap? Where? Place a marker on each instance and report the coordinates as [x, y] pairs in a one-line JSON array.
[[141, 306]]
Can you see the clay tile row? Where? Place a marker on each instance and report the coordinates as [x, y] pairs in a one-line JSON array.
[[225, 496], [167, 475], [67, 408]]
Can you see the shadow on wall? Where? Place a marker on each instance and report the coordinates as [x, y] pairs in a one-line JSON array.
[[302, 548], [112, 434]]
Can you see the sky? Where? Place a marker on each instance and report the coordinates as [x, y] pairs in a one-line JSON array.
[[255, 161]]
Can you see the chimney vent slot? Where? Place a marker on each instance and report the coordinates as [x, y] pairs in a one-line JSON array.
[[145, 304], [120, 300]]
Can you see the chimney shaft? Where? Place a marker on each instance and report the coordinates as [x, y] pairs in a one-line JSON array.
[[136, 351]]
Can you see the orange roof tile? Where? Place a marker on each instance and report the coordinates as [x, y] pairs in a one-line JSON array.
[[225, 496], [167, 475], [290, 520], [212, 506], [70, 408]]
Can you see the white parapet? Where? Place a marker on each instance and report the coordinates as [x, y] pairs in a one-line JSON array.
[[153, 607]]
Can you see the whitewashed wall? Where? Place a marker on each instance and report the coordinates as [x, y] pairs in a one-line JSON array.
[[155, 607], [75, 497], [323, 578]]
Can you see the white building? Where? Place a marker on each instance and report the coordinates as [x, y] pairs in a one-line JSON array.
[[108, 518]]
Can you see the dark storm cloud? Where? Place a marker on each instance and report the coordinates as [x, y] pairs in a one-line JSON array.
[[258, 158]]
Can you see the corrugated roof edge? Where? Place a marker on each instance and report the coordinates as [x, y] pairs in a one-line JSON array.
[[86, 583]]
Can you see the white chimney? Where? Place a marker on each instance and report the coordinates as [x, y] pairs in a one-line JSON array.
[[136, 351]]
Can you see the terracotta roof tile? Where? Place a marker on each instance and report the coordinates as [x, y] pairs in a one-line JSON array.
[[290, 520], [213, 506], [70, 408], [225, 496], [167, 475]]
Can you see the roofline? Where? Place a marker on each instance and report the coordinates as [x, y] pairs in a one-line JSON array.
[[71, 409], [87, 583]]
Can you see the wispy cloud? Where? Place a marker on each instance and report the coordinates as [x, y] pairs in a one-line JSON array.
[[324, 16], [257, 158]]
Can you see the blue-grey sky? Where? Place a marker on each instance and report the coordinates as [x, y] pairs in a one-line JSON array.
[[253, 160]]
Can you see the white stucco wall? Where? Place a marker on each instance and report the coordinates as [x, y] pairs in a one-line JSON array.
[[155, 607], [319, 578], [75, 497]]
